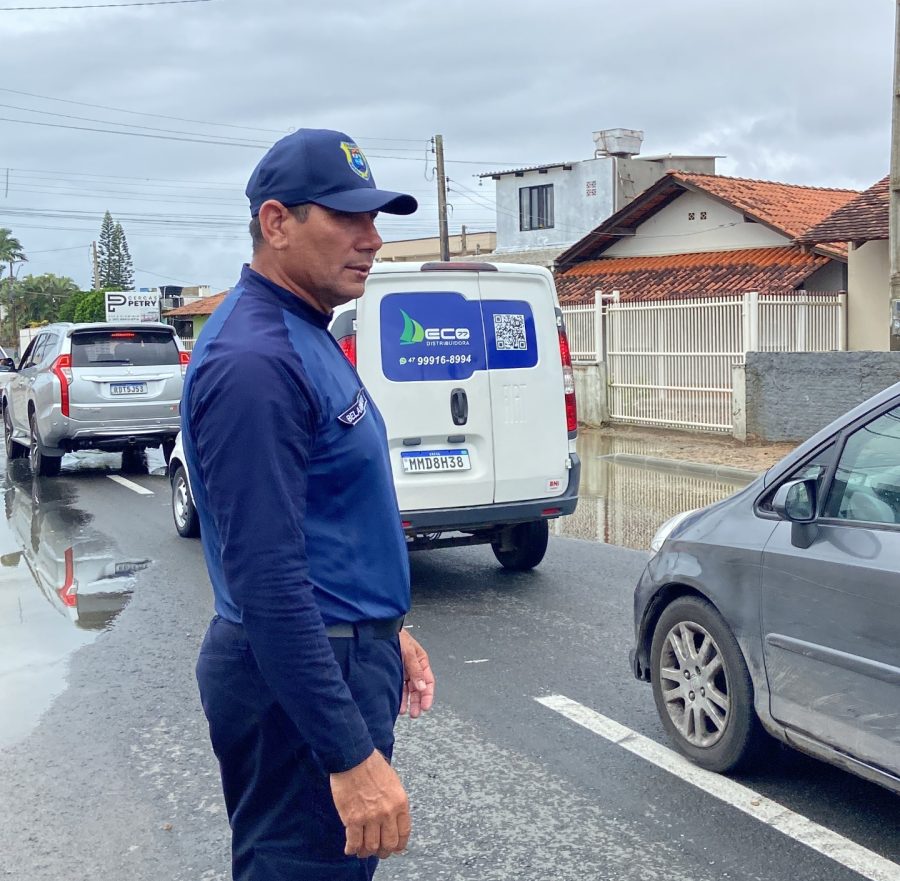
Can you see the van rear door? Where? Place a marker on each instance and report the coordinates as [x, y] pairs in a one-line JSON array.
[[525, 373], [421, 352]]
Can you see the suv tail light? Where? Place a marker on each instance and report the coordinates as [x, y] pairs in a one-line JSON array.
[[568, 381], [185, 360], [348, 347], [62, 370]]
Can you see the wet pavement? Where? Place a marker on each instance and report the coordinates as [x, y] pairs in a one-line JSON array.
[[62, 582], [624, 504]]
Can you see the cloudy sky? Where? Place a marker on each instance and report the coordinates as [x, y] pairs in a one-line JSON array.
[[789, 90]]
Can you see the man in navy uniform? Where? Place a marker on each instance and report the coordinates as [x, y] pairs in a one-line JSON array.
[[306, 664]]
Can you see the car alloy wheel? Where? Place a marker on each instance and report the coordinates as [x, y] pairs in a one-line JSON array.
[[702, 688], [694, 684]]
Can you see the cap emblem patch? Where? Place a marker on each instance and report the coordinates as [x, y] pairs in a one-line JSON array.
[[355, 159]]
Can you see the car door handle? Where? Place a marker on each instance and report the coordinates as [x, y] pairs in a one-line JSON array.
[[459, 406]]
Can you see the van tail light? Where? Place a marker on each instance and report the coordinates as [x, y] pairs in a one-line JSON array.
[[348, 347], [568, 382], [67, 591], [62, 370], [185, 358]]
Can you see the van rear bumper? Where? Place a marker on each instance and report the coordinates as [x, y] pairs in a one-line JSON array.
[[487, 516]]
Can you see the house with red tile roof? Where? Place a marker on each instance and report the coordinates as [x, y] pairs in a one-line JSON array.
[[189, 319], [863, 226], [696, 235]]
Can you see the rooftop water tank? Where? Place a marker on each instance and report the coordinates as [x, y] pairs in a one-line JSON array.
[[618, 142]]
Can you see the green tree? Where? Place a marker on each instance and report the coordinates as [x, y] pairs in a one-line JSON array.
[[67, 309], [91, 307], [113, 257], [11, 252], [40, 297], [124, 266]]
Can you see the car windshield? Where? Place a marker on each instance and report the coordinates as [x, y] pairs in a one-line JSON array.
[[132, 348]]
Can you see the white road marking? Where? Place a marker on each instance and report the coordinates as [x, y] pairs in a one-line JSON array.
[[479, 661], [134, 487], [842, 850]]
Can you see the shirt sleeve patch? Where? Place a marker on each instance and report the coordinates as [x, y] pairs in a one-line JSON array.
[[355, 413]]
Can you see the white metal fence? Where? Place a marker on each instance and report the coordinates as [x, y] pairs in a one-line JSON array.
[[670, 363]]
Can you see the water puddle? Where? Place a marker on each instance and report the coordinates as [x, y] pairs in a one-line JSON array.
[[624, 504], [61, 584]]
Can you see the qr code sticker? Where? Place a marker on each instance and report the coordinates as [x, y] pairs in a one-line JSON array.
[[509, 331]]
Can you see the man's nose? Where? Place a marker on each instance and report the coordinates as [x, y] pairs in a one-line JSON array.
[[371, 240]]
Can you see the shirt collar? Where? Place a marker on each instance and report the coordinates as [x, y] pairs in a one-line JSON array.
[[250, 278]]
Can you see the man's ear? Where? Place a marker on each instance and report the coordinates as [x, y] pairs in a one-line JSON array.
[[273, 217]]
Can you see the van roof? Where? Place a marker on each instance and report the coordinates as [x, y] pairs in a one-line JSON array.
[[461, 266]]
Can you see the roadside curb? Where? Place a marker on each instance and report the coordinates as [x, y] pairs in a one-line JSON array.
[[680, 466]]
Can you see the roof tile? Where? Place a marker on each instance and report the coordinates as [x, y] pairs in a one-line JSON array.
[[203, 306], [710, 274], [863, 219]]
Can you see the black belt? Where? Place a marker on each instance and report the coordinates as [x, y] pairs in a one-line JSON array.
[[381, 629]]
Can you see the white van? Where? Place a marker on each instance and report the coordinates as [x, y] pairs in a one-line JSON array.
[[469, 365]]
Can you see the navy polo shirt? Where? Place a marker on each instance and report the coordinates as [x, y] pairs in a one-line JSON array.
[[291, 478]]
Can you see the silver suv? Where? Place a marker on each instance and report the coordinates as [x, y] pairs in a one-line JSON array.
[[111, 387]]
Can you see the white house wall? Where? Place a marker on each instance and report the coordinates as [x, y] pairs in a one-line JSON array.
[[671, 231], [575, 212], [869, 297]]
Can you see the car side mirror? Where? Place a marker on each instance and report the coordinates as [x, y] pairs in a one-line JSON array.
[[796, 501], [7, 365]]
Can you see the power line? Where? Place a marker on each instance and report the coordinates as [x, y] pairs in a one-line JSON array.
[[182, 119], [243, 141], [103, 5]]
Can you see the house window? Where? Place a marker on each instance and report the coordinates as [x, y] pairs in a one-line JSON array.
[[691, 215], [536, 207], [703, 215], [592, 188]]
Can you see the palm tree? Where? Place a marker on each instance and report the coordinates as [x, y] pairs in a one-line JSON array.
[[11, 252]]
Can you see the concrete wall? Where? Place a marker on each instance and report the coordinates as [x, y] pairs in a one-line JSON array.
[[831, 277], [575, 213], [590, 393], [869, 297], [672, 231], [787, 396]]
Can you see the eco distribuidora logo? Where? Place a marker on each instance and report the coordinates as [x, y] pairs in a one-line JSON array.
[[413, 332]]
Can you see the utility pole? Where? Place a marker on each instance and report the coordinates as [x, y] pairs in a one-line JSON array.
[[12, 307], [442, 197], [97, 265], [895, 193], [463, 244]]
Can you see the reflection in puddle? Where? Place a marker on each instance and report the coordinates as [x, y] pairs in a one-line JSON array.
[[61, 583], [625, 504]]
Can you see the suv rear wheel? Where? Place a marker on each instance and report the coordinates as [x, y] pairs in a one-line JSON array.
[[523, 546], [41, 465], [13, 449]]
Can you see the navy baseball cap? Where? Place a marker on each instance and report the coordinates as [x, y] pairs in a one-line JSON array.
[[323, 167]]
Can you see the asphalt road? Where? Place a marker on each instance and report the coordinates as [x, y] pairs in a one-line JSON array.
[[116, 779]]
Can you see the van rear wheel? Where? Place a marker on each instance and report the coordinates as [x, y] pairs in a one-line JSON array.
[[523, 546]]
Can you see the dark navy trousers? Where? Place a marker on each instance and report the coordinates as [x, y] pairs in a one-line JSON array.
[[283, 820]]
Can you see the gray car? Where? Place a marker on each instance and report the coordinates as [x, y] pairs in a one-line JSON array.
[[100, 386], [776, 612]]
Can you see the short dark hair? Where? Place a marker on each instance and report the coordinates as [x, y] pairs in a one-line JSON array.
[[300, 212]]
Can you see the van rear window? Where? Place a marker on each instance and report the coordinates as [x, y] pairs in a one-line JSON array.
[[129, 348]]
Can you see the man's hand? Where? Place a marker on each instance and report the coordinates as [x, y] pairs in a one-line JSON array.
[[373, 805], [418, 680]]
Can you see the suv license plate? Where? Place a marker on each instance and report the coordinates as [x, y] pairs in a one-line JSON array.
[[128, 388], [435, 460]]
